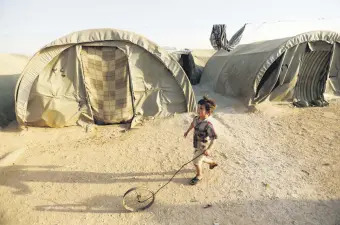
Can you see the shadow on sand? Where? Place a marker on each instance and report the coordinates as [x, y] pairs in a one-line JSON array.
[[277, 211], [261, 211], [17, 176]]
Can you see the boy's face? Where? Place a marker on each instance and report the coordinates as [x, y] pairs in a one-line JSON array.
[[198, 109], [202, 111]]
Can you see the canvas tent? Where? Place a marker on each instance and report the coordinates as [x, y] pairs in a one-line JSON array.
[[101, 76], [299, 68]]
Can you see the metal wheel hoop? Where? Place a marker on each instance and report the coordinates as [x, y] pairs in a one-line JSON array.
[[138, 198]]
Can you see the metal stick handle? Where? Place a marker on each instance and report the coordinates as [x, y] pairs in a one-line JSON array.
[[177, 172]]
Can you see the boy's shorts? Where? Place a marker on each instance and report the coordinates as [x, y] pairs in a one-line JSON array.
[[200, 157]]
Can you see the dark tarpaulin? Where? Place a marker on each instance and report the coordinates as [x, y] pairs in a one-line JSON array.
[[218, 37]]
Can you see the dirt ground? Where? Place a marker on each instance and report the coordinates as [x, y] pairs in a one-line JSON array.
[[278, 165]]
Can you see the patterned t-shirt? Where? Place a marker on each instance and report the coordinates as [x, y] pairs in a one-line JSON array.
[[204, 132]]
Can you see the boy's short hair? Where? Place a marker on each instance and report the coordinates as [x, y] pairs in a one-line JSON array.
[[201, 102], [209, 104]]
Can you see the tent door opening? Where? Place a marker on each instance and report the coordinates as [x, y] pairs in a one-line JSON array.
[[311, 82], [107, 81], [186, 64]]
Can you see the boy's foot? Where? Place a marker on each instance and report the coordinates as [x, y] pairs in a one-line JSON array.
[[212, 165], [194, 180]]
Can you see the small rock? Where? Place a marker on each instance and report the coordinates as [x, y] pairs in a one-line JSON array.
[[207, 206], [305, 172], [265, 185], [224, 155]]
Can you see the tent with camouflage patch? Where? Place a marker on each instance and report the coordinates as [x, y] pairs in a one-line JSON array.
[[101, 76]]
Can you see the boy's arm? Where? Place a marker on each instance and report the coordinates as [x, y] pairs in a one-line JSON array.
[[211, 144]]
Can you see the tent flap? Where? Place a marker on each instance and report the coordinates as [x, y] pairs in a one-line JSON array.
[[334, 71]]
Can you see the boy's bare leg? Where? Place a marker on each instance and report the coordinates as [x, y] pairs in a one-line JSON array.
[[211, 162], [198, 171], [208, 160]]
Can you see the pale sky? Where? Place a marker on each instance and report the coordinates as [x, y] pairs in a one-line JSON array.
[[28, 25]]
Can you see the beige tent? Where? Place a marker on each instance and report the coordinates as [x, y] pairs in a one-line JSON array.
[[299, 68], [102, 76]]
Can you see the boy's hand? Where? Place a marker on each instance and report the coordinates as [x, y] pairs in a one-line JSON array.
[[185, 134], [206, 153]]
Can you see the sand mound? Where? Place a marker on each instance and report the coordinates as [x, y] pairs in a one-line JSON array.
[[11, 65]]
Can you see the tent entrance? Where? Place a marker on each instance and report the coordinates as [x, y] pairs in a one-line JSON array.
[[186, 65], [107, 82], [312, 78]]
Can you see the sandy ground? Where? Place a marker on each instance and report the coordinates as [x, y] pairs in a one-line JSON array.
[[277, 165], [12, 63]]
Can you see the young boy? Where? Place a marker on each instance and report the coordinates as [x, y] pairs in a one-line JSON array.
[[204, 137]]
